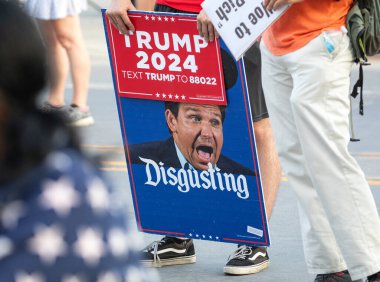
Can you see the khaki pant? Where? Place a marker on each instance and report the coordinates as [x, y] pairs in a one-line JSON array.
[[307, 95]]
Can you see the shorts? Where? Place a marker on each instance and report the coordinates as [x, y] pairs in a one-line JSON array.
[[252, 63], [54, 9]]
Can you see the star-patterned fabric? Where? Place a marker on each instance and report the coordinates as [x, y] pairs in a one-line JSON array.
[[60, 223]]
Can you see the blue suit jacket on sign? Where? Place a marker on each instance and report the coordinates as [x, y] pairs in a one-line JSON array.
[[165, 152]]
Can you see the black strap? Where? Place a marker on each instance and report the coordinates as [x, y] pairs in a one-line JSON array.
[[355, 93]]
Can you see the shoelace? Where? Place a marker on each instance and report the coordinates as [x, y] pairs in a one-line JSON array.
[[154, 247], [241, 253]]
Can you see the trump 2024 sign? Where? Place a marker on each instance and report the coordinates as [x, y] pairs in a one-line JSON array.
[[187, 131]]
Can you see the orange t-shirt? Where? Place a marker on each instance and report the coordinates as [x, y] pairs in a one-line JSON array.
[[304, 21]]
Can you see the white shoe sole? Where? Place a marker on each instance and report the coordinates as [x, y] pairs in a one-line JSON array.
[[167, 262], [243, 270]]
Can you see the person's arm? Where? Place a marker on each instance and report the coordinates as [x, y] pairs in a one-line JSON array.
[[275, 4], [145, 5], [205, 27], [118, 14]]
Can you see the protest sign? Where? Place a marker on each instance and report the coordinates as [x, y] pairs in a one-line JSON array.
[[193, 167], [240, 22], [166, 59]]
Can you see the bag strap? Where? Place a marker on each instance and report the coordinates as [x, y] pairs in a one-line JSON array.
[[359, 84]]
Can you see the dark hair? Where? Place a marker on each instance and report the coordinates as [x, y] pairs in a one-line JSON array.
[[29, 135], [174, 107]]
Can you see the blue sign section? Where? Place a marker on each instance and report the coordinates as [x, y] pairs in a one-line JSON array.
[[193, 168]]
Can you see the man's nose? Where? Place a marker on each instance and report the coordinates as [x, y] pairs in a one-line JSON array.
[[206, 130]]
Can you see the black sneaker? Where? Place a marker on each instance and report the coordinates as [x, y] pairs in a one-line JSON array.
[[169, 251], [374, 277], [342, 276], [247, 260]]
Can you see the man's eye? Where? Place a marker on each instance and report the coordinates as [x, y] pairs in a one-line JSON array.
[[215, 123], [195, 118]]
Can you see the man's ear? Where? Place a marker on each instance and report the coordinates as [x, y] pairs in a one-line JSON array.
[[171, 121]]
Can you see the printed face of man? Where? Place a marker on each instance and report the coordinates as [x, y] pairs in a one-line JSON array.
[[198, 133]]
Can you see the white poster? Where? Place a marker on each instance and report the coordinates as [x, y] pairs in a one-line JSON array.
[[240, 22]]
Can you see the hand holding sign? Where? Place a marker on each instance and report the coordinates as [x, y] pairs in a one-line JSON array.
[[241, 22]]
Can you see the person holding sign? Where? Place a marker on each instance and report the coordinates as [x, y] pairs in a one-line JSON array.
[[307, 60], [241, 261]]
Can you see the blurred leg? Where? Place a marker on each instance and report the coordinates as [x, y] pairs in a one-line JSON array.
[[58, 63], [69, 34]]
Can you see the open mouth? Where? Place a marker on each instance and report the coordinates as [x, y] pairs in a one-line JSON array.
[[204, 152]]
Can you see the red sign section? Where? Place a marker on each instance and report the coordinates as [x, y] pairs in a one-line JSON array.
[[158, 62]]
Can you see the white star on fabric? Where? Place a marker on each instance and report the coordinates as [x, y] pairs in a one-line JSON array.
[[97, 195], [59, 161], [48, 243], [71, 278], [89, 245], [59, 195], [134, 274], [6, 246], [11, 214], [25, 277], [108, 277], [118, 242]]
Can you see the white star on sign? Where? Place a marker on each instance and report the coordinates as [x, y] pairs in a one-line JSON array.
[[25, 277], [59, 195], [89, 245], [166, 19], [172, 19], [183, 97], [158, 95], [11, 213], [48, 243], [176, 96], [153, 18], [159, 18], [147, 18], [97, 195], [170, 96], [118, 242], [163, 95]]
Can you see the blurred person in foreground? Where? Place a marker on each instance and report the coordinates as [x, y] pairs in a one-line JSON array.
[[58, 220], [58, 21]]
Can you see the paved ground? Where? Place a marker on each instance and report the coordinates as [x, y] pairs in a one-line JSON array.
[[287, 263]]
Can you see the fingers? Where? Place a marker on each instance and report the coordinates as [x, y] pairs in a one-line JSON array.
[[205, 27], [118, 15]]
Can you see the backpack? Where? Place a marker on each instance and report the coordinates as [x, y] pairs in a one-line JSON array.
[[363, 25]]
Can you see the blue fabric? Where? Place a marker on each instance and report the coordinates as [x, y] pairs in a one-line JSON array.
[[61, 223]]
